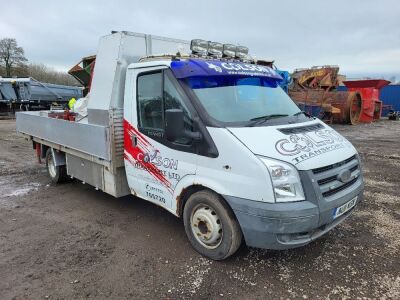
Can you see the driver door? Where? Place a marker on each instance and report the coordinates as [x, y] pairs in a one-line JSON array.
[[155, 165]]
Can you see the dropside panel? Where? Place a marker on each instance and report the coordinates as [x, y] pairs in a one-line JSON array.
[[88, 138]]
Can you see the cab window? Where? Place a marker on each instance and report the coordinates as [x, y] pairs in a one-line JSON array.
[[156, 94], [150, 100]]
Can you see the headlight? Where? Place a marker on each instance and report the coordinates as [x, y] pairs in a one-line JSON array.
[[285, 180]]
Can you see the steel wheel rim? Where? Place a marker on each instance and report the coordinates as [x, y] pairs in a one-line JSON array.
[[206, 226], [52, 167]]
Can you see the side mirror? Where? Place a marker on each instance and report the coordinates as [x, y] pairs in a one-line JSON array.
[[174, 126]]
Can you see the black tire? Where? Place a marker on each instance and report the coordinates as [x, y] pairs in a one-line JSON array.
[[57, 174], [194, 214]]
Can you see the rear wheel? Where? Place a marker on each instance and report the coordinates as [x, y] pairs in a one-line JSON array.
[[57, 174], [211, 226]]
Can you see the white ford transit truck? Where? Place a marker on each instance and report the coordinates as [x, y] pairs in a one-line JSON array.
[[209, 136]]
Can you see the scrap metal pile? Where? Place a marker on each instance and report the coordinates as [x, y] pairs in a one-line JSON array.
[[83, 72], [315, 91]]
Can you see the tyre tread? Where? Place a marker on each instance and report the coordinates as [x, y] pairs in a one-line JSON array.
[[236, 233]]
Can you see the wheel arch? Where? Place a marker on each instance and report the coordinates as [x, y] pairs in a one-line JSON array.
[[185, 194], [189, 185]]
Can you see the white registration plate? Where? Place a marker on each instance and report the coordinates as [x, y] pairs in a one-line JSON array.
[[338, 211]]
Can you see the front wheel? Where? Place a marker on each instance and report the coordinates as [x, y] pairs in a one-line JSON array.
[[57, 174], [211, 226]]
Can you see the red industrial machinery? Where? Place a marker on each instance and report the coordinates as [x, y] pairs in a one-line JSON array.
[[369, 90], [314, 91]]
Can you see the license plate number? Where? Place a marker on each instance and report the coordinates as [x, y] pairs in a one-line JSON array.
[[338, 211]]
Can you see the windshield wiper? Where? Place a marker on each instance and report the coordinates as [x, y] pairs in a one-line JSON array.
[[262, 119], [267, 117], [302, 113]]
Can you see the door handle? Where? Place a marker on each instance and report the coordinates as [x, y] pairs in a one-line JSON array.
[[134, 140]]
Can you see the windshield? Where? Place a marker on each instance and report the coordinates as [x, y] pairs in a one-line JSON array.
[[232, 99]]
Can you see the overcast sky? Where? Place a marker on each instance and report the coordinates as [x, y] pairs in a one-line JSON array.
[[362, 37]]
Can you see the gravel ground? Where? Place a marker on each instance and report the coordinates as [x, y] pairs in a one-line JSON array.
[[71, 241]]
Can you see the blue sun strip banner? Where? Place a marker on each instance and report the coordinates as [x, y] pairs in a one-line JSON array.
[[201, 67]]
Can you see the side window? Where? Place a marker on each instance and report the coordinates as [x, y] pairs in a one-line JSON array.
[[154, 96], [149, 100], [173, 100]]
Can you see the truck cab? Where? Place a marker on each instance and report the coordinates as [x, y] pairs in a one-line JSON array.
[[227, 128], [217, 142]]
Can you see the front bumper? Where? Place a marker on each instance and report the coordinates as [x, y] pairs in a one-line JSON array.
[[289, 225]]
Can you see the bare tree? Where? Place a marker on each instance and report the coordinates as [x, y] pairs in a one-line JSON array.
[[13, 63], [11, 55], [47, 74]]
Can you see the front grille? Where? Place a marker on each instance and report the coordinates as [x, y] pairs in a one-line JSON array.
[[327, 176], [330, 167], [340, 188], [354, 168], [327, 180]]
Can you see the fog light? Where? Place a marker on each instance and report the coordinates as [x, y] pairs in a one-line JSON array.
[[229, 50], [199, 46], [242, 52], [215, 49]]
